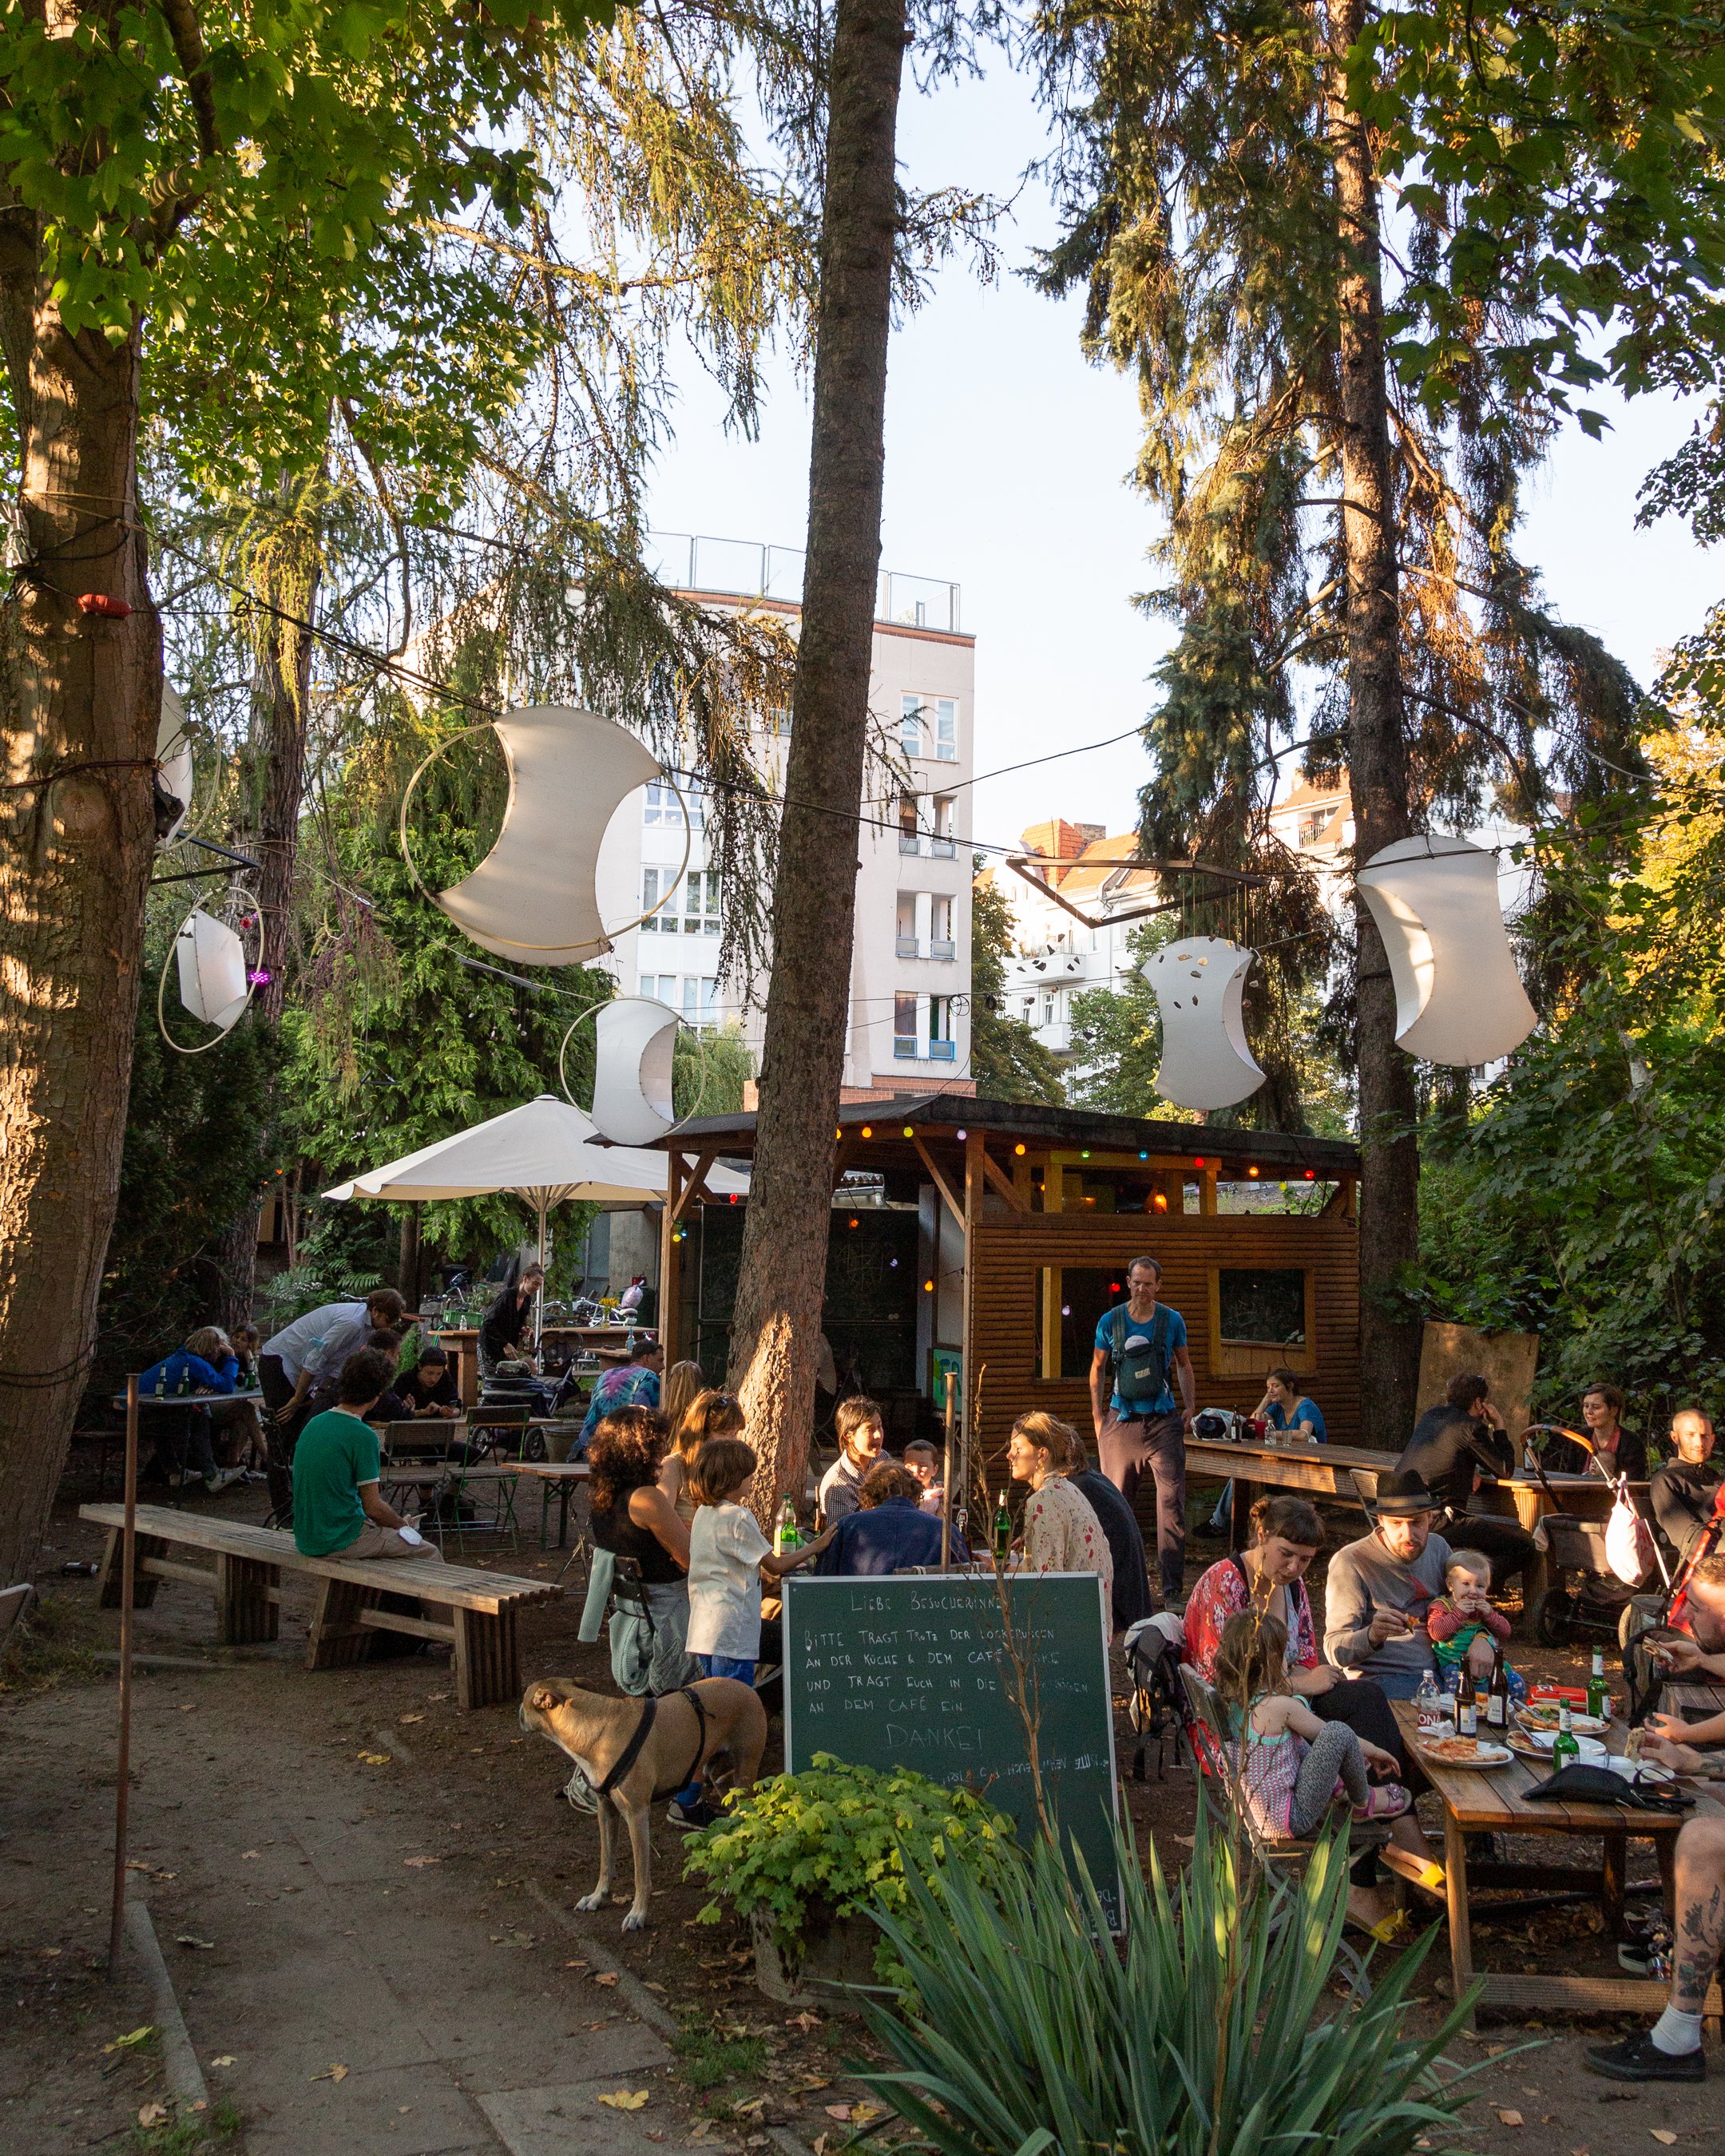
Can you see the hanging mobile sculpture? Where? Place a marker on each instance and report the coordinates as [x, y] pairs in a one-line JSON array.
[[217, 979], [1198, 985], [533, 898], [634, 1041], [1458, 997]]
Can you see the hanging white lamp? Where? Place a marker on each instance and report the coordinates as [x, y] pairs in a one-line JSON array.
[[533, 897], [213, 983], [1458, 997], [634, 1039], [1199, 985], [173, 754]]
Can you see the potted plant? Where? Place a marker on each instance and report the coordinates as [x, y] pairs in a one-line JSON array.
[[807, 1858]]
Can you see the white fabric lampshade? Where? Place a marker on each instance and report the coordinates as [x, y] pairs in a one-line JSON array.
[[634, 1038], [212, 962], [1458, 997], [532, 898], [174, 752], [1200, 985]]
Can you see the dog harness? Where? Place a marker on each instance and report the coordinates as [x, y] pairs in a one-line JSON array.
[[643, 1729]]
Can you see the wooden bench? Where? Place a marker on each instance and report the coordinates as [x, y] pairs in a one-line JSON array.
[[246, 1576]]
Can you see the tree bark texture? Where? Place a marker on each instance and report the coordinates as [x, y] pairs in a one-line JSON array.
[[1377, 775], [281, 693], [81, 697], [776, 1324]]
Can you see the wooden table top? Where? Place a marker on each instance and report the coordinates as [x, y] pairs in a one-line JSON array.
[[1496, 1798], [548, 1470]]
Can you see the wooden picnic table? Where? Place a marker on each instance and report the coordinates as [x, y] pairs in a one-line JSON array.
[[1694, 1698], [566, 1476], [1495, 1801]]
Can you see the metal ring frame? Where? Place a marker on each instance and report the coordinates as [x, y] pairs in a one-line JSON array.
[[676, 1018], [251, 986], [605, 942]]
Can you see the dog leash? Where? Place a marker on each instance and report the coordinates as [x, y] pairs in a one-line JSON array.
[[643, 1729]]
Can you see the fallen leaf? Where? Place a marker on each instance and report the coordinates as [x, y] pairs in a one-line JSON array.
[[621, 2100], [375, 1758], [1662, 2133], [186, 1940], [837, 2110], [152, 2114], [226, 2059], [433, 1697], [805, 2019], [815, 2081], [334, 2074], [249, 1855], [137, 2036], [1509, 2118], [653, 2133], [861, 2113], [756, 2141], [576, 1964], [405, 1718], [648, 1984], [819, 2144], [419, 1863], [606, 1976], [53, 1953], [187, 1707]]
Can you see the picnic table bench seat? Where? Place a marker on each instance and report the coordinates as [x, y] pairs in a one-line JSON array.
[[246, 1577]]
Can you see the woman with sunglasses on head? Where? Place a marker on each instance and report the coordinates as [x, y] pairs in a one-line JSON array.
[[709, 1415]]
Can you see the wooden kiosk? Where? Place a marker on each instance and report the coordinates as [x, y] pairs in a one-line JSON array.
[[1022, 1219]]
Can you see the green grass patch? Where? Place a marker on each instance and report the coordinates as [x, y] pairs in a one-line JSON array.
[[707, 2058], [50, 1647], [188, 2134]]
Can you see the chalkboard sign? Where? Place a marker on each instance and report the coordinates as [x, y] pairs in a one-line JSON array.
[[913, 1671]]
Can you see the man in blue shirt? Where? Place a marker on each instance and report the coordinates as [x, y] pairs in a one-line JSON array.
[[1141, 1351], [889, 1532]]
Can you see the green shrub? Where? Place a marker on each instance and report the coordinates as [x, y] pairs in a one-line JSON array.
[[847, 1840], [1206, 2031]]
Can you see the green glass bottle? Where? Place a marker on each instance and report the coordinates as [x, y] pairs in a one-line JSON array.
[[788, 1536], [1566, 1749], [1003, 1529], [1599, 1693]]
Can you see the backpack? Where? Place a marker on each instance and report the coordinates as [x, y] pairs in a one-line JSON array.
[[1141, 1380], [1156, 1705]]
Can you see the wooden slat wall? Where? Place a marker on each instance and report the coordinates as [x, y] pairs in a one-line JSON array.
[[1009, 1254]]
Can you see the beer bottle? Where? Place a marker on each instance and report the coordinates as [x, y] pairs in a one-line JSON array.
[[1467, 1710], [1497, 1699], [788, 1536], [185, 1385], [1598, 1692], [1003, 1529], [161, 1383], [1565, 1749]]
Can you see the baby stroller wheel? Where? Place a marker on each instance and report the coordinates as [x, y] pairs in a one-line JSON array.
[[533, 1445], [1549, 1618]]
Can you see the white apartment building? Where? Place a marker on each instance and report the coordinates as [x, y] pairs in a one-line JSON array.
[[908, 1022], [1059, 958]]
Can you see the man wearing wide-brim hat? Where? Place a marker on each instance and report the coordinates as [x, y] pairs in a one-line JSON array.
[[1381, 1587]]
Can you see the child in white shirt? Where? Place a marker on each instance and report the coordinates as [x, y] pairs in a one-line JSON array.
[[727, 1556], [924, 1462]]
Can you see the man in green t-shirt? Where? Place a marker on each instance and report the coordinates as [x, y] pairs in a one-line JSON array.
[[338, 1505]]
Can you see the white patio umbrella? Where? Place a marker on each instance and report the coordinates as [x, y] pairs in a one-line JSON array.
[[543, 1152]]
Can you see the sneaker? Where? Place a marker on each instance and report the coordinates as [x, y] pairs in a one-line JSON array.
[[686, 1818], [1638, 2058], [581, 1793], [222, 1478]]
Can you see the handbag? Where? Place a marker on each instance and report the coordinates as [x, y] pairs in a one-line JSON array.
[[1581, 1785], [1628, 1544]]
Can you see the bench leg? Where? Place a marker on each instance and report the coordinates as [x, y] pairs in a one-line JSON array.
[[110, 1580], [247, 1610], [337, 1639], [488, 1663]]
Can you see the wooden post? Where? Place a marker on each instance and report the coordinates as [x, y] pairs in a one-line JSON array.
[[974, 1185], [128, 1576], [669, 1272], [946, 1474]]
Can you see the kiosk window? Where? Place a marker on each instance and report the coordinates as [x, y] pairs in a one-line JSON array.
[[1261, 1310], [1072, 1298]]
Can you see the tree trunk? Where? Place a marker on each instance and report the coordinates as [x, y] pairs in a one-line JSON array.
[[81, 694], [281, 693], [776, 1324], [1377, 777]]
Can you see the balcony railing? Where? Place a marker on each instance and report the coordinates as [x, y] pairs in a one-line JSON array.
[[939, 949], [942, 849], [908, 947], [745, 569], [904, 1045], [909, 842], [944, 1051]]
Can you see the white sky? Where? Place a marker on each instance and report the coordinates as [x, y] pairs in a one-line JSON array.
[[1007, 471]]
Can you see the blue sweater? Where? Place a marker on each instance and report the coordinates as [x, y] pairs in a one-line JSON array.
[[203, 1377], [890, 1538]]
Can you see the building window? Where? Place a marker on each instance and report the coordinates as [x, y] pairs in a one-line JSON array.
[[663, 811], [942, 1046], [691, 910], [942, 943], [1313, 825], [909, 839], [660, 989], [907, 945], [904, 1025], [942, 845], [700, 1000], [700, 903], [928, 727], [1048, 1010], [779, 722]]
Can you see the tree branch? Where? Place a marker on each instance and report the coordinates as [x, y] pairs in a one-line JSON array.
[[182, 21]]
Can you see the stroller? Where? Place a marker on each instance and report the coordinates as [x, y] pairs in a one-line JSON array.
[[1599, 1563]]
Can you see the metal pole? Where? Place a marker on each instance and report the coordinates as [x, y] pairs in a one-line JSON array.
[[946, 1474], [543, 1199], [128, 1573]]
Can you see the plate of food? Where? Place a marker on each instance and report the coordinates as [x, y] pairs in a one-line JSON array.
[[1639, 1770], [1539, 1716], [1538, 1745], [1466, 1751]]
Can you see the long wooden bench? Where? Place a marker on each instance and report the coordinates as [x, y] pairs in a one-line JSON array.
[[246, 1579]]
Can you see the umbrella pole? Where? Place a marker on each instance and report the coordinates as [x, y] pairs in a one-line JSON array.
[[544, 1259]]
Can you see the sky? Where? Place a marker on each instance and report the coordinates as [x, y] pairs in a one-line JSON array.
[[1008, 464]]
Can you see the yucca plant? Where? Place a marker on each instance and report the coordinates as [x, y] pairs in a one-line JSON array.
[[1207, 2031]]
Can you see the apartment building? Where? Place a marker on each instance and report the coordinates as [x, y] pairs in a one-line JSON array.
[[1060, 956], [908, 1027]]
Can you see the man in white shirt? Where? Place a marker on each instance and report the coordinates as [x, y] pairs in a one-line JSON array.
[[862, 1444], [314, 1347]]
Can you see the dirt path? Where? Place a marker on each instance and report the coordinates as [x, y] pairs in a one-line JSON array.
[[347, 1873]]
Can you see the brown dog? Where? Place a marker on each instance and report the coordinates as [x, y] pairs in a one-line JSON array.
[[597, 1732]]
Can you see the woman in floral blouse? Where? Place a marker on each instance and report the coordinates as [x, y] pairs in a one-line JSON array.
[[1060, 1533]]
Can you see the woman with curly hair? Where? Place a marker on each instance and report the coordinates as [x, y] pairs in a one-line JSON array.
[[632, 1517], [708, 1415]]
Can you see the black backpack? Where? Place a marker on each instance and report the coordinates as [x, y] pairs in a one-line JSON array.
[[1156, 1707], [1141, 1377]]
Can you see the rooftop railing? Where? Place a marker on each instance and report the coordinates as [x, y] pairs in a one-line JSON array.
[[745, 569]]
